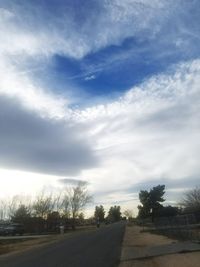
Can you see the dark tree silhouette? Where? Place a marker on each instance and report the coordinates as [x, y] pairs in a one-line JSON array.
[[151, 201], [99, 213], [114, 214], [22, 214], [191, 200]]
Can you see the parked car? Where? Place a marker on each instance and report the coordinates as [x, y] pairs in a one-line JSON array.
[[2, 230], [12, 229]]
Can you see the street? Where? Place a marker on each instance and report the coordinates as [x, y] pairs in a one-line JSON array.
[[99, 248], [17, 237]]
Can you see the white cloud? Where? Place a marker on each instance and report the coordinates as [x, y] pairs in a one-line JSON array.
[[31, 36], [91, 77], [15, 182], [149, 134], [22, 87], [29, 30]]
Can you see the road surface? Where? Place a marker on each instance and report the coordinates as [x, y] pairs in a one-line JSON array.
[[16, 237], [100, 248]]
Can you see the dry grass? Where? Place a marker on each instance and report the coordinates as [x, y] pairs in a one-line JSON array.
[[8, 246]]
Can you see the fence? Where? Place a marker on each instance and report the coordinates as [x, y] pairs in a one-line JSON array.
[[184, 227]]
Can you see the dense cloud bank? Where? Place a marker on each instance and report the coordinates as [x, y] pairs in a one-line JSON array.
[[32, 143]]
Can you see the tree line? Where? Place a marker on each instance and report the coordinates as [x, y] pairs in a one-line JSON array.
[[48, 210], [114, 214], [151, 203]]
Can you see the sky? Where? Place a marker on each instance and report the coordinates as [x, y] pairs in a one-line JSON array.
[[104, 91]]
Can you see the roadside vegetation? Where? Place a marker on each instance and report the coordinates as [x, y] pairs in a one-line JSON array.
[[47, 212], [53, 213], [181, 221], [64, 212]]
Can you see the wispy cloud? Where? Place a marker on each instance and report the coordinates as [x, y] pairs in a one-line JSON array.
[[37, 30], [88, 78], [150, 132]]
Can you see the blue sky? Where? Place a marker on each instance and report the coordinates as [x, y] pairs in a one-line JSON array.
[[100, 91], [133, 49]]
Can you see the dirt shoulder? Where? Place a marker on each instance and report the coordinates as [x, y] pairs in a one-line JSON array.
[[137, 242], [8, 247]]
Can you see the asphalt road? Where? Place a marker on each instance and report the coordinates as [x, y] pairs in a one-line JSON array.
[[100, 248], [16, 237]]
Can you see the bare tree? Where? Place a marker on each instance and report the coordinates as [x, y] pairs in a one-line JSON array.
[[66, 205], [57, 202], [12, 205], [9, 206], [191, 200], [43, 205], [129, 214], [3, 210], [78, 199]]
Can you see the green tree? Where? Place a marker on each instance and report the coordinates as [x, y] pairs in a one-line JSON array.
[[99, 213], [144, 209], [151, 201], [22, 214], [156, 198], [114, 214], [81, 218]]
